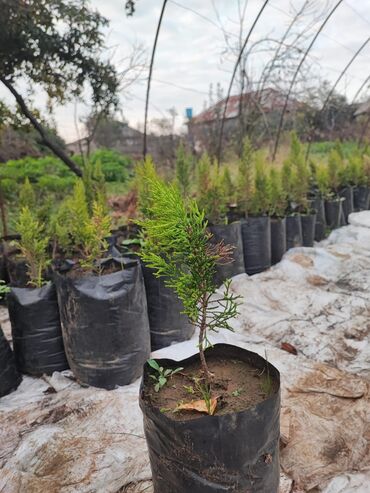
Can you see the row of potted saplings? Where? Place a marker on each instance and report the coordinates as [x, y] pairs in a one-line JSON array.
[[99, 300], [93, 318], [234, 443], [288, 207], [98, 315]]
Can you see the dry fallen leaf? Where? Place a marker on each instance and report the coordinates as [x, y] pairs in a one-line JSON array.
[[199, 406], [289, 348]]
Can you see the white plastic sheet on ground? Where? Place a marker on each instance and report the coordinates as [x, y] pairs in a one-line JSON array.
[[58, 437]]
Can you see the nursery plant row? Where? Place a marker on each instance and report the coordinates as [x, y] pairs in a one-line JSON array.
[[79, 297]]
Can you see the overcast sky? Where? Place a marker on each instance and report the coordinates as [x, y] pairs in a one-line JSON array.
[[191, 43]]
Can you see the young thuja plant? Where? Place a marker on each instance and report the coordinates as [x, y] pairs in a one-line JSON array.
[[335, 164], [144, 171], [322, 181], [227, 186], [203, 173], [177, 246], [183, 170], [211, 197], [300, 175], [94, 184], [95, 244], [78, 232], [261, 196], [287, 181], [278, 199], [245, 176], [33, 246], [27, 196]]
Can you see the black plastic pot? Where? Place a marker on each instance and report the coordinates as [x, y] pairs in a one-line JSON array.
[[256, 236], [278, 239], [333, 210], [308, 229], [105, 324], [318, 204], [36, 330], [10, 378], [229, 234], [236, 452], [167, 322], [234, 214], [361, 198], [348, 204], [294, 237]]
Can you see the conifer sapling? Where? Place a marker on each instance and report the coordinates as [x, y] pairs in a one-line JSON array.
[[177, 246], [33, 246]]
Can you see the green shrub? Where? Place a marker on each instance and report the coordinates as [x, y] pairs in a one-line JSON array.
[[33, 245], [278, 201], [245, 176], [211, 194], [261, 196]]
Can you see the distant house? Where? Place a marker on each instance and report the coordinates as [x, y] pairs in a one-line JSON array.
[[256, 106], [127, 140]]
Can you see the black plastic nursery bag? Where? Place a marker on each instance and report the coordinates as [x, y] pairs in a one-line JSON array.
[[231, 453], [10, 378], [230, 234], [36, 330], [167, 322], [256, 235], [294, 236], [278, 239], [105, 325]]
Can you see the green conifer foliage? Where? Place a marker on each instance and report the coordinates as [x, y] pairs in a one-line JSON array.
[[27, 196], [177, 246], [211, 194], [335, 164], [261, 196], [33, 245], [245, 176], [277, 194], [299, 175]]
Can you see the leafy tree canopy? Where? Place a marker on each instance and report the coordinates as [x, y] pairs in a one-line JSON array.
[[57, 44]]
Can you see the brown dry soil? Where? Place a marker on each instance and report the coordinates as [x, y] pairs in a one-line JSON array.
[[236, 385]]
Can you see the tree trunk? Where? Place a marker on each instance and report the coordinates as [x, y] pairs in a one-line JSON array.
[[58, 151]]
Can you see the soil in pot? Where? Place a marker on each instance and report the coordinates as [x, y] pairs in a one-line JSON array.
[[256, 236], [36, 330], [333, 209], [347, 205], [278, 239], [10, 378], [236, 449], [308, 229], [168, 323], [361, 198], [105, 323], [294, 237], [229, 234]]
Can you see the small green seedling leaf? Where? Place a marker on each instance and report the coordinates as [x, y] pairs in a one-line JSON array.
[[153, 364], [237, 392]]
